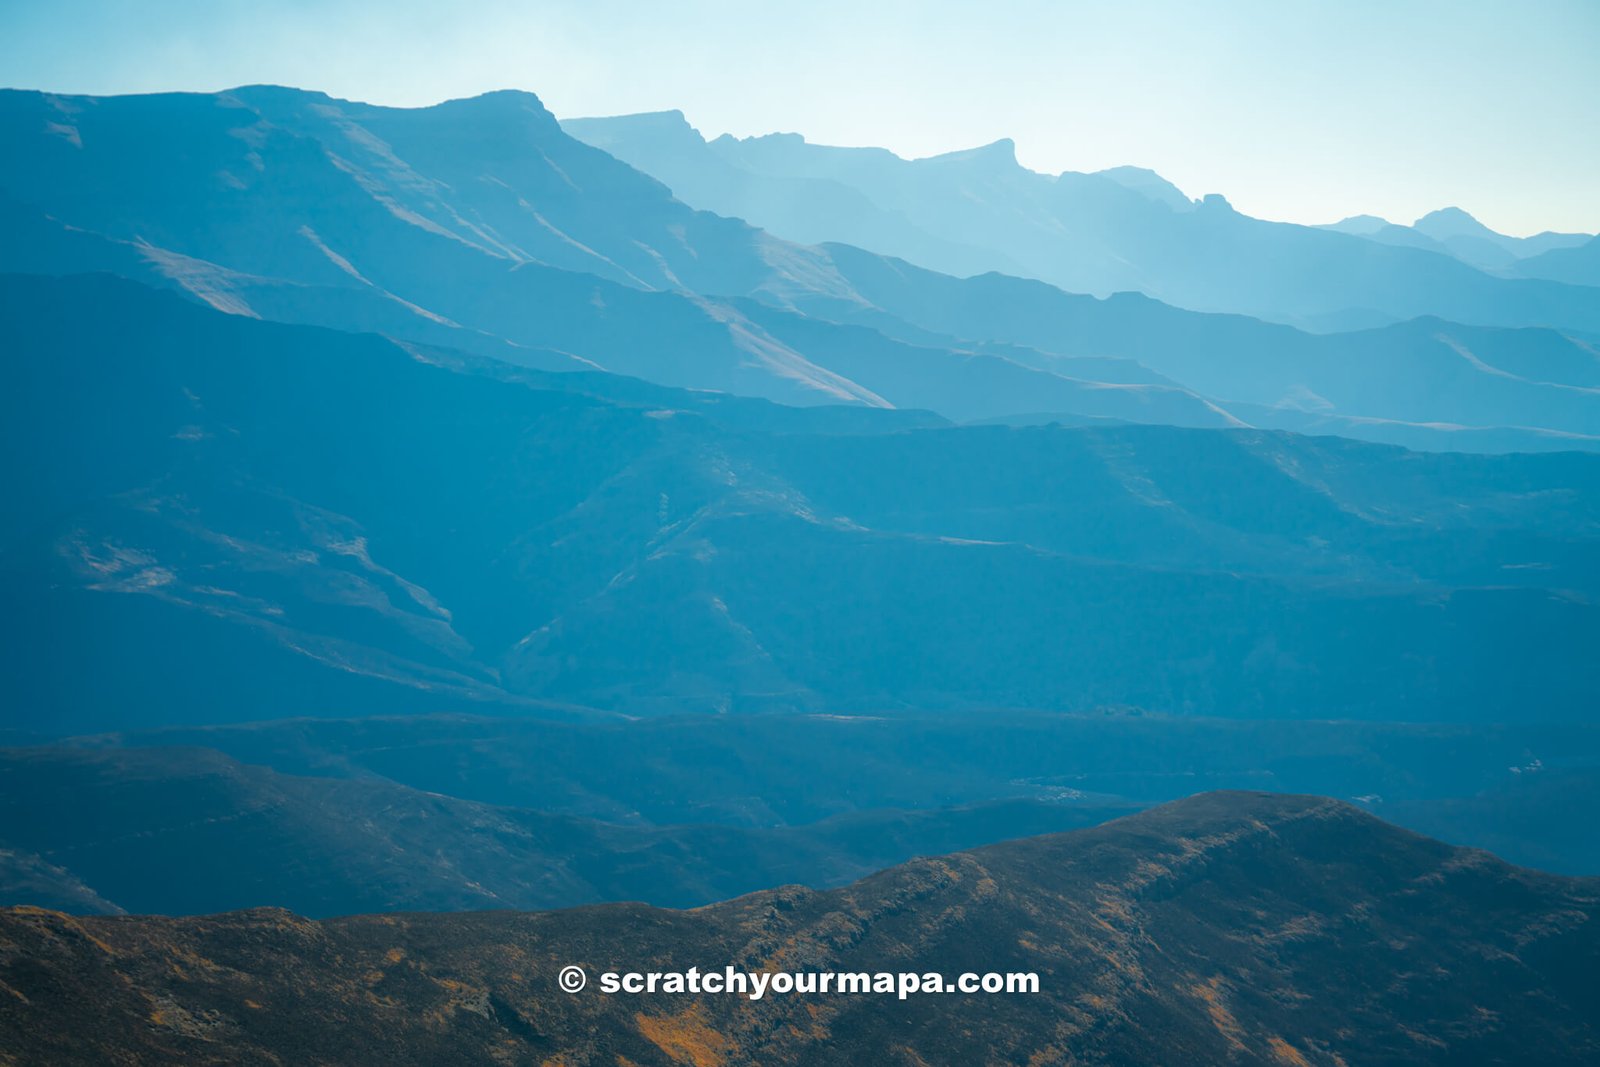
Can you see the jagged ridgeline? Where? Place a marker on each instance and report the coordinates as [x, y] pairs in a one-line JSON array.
[[1118, 230], [481, 225]]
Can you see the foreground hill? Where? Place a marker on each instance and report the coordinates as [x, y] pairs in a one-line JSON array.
[[1229, 928], [217, 518]]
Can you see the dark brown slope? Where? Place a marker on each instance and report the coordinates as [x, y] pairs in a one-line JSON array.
[[1229, 928]]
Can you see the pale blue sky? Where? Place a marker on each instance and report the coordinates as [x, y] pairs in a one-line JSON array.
[[1294, 110]]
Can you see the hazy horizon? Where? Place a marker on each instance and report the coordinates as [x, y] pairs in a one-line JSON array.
[[1373, 109]]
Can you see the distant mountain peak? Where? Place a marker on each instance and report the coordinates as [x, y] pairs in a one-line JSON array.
[[672, 119], [779, 137], [1001, 153], [1361, 225], [1451, 222], [508, 96], [1148, 182], [503, 105], [662, 127]]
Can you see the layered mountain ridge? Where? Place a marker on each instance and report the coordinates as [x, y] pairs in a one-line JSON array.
[[979, 211], [424, 509], [479, 225], [346, 520], [1455, 232]]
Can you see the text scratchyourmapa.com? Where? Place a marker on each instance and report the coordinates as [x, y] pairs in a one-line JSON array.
[[758, 984]]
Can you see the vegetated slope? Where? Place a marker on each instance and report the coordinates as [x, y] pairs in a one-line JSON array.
[[1230, 928], [190, 831], [1516, 788], [220, 518], [447, 813]]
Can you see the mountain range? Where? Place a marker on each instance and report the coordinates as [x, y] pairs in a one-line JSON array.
[[480, 225], [306, 520], [1228, 928], [1125, 229], [417, 511], [1455, 232]]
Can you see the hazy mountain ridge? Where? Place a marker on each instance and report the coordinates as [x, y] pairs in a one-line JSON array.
[[480, 225], [1454, 232], [346, 519], [495, 300], [1578, 265], [979, 211], [1238, 928], [1403, 379]]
